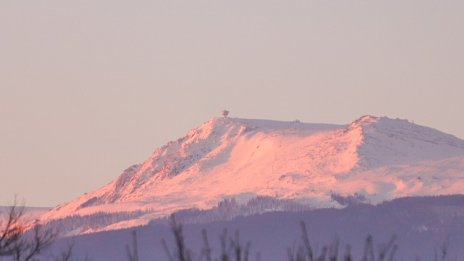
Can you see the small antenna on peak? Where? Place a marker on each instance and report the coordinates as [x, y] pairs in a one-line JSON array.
[[225, 113]]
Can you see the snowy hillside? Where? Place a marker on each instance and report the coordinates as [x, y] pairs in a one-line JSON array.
[[377, 158], [423, 225]]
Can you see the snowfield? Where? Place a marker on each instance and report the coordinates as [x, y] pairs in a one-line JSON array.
[[373, 159]]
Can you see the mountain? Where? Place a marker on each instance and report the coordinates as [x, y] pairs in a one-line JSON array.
[[370, 160]]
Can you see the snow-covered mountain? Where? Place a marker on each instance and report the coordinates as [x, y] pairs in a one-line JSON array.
[[372, 158]]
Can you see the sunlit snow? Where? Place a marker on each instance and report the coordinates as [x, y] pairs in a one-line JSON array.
[[378, 158]]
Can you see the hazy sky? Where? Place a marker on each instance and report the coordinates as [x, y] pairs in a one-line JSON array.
[[88, 87]]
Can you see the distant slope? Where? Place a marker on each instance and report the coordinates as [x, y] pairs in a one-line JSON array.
[[30, 213], [378, 158]]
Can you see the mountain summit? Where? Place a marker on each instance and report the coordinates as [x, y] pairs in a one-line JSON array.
[[376, 157]]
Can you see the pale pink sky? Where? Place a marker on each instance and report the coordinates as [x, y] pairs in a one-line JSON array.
[[88, 88]]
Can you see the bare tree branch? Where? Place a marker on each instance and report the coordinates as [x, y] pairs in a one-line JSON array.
[[21, 240]]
